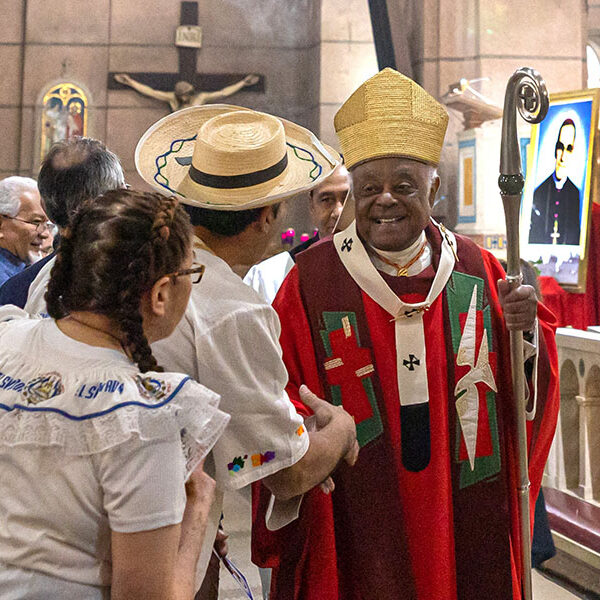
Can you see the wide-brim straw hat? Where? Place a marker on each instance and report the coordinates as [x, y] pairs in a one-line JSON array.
[[225, 157]]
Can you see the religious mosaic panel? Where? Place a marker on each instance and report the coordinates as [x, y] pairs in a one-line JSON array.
[[64, 115]]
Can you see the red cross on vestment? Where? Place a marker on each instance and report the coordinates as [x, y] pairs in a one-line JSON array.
[[348, 365]]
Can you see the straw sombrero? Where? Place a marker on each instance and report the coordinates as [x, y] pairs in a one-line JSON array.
[[226, 157]]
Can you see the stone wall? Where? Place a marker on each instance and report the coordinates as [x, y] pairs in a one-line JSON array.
[[313, 54], [347, 57], [83, 40]]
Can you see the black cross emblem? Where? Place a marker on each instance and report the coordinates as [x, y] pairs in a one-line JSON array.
[[347, 244], [410, 313], [410, 364]]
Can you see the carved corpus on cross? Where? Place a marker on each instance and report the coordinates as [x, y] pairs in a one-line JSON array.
[[188, 43]]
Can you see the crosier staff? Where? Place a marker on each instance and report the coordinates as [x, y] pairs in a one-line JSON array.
[[525, 91]]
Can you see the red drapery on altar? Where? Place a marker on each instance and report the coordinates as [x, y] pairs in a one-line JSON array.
[[578, 310]]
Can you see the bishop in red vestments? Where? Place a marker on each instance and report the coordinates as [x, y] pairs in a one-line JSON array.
[[406, 325]]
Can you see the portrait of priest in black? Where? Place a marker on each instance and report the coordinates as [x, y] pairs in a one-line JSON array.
[[555, 214]]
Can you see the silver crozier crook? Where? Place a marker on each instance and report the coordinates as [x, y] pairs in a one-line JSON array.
[[526, 90]]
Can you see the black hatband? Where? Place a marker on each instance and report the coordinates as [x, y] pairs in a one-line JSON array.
[[239, 181]]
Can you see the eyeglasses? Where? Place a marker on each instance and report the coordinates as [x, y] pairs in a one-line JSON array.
[[198, 271], [40, 226]]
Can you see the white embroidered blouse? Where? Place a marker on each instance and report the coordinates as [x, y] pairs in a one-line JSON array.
[[88, 444]]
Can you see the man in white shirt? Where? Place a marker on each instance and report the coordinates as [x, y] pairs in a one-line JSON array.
[[243, 165]]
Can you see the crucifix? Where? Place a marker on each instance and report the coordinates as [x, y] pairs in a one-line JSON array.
[[187, 87]]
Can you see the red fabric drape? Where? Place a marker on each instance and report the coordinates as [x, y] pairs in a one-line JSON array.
[[578, 310]]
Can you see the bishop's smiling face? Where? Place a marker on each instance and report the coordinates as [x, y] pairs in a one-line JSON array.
[[393, 199]]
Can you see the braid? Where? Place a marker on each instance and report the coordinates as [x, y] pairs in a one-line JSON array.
[[61, 273], [164, 219], [118, 246], [129, 318], [139, 270]]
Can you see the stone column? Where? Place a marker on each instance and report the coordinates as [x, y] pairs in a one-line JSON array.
[[347, 57], [589, 447], [593, 20]]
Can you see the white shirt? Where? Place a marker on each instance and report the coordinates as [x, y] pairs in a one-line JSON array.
[[228, 340], [88, 445], [36, 305], [267, 276]]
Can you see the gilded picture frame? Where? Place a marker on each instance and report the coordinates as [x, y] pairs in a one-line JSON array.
[[559, 188], [64, 114]]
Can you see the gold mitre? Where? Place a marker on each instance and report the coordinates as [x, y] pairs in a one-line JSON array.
[[391, 115]]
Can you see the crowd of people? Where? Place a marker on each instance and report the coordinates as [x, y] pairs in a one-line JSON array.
[[370, 406]]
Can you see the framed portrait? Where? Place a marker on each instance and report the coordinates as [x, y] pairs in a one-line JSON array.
[[555, 213]]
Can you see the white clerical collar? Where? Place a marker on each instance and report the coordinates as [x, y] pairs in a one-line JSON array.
[[558, 183], [402, 257]]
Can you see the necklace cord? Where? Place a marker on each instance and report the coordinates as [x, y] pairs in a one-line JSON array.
[[101, 331], [402, 270]]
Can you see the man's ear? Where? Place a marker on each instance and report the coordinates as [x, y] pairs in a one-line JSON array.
[[159, 297], [435, 186], [266, 218], [1, 223]]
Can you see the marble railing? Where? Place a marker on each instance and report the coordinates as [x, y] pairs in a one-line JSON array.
[[574, 461], [573, 468]]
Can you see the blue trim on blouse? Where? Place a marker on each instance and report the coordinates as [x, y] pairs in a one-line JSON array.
[[97, 414]]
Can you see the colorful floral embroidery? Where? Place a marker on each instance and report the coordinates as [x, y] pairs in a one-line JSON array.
[[237, 464], [43, 388], [261, 459]]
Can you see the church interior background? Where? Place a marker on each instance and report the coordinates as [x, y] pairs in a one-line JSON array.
[[59, 60]]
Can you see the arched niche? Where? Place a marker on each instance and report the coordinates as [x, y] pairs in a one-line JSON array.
[[592, 395], [62, 113], [569, 422]]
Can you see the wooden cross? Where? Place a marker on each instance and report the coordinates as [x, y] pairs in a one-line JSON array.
[[206, 82]]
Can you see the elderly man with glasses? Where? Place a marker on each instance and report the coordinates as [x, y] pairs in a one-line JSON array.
[[72, 172], [24, 226]]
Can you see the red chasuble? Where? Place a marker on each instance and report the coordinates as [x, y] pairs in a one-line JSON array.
[[442, 530]]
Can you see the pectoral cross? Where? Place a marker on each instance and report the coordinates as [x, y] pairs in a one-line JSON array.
[[555, 235]]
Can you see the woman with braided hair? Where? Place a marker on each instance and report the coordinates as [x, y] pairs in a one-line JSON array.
[[103, 490]]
